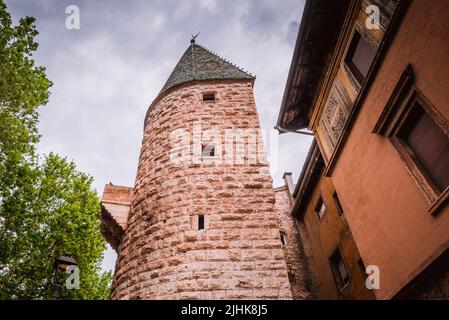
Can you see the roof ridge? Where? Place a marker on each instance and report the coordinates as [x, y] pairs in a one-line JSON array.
[[201, 63], [224, 59], [192, 58]]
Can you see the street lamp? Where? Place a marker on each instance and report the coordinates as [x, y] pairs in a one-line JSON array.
[[60, 265]]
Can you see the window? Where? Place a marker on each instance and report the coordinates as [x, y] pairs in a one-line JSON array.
[[337, 203], [428, 146], [201, 222], [359, 57], [283, 238], [291, 278], [208, 96], [339, 270], [320, 208], [420, 135], [208, 150]]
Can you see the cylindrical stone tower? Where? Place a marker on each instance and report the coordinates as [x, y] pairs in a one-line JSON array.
[[201, 223]]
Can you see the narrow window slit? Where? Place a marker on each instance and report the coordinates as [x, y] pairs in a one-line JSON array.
[[201, 222], [208, 96], [283, 238], [208, 150]]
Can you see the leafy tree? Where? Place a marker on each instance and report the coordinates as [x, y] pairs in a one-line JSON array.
[[47, 207]]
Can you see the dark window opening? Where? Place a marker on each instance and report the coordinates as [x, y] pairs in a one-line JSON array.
[[208, 150], [428, 146], [320, 208], [283, 238], [201, 222], [362, 266], [291, 278], [339, 269], [209, 97], [337, 203], [360, 56]]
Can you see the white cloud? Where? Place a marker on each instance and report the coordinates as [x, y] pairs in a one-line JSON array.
[[209, 5], [159, 20]]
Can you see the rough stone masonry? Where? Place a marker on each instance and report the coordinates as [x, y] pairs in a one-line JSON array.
[[197, 230]]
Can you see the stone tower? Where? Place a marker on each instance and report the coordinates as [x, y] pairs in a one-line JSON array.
[[199, 222]]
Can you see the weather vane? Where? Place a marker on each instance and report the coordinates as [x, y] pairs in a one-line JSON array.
[[194, 37]]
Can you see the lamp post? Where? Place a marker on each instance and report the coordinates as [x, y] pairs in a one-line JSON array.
[[60, 265]]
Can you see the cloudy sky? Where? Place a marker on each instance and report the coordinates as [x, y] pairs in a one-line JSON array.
[[107, 73]]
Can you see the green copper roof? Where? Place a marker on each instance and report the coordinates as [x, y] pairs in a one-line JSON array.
[[199, 63]]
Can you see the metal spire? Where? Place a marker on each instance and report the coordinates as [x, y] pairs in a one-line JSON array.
[[192, 41]]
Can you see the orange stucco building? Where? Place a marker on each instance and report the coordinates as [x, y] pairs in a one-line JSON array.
[[377, 100]]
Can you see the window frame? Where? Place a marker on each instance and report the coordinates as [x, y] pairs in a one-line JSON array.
[[318, 205], [339, 281], [409, 156], [401, 103], [354, 75]]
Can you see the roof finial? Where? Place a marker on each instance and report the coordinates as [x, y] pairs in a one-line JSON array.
[[192, 41]]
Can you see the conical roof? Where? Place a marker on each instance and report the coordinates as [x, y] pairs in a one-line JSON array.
[[199, 63]]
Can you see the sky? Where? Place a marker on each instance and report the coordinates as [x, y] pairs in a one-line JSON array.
[[107, 72]]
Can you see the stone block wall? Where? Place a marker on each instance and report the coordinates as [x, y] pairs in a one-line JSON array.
[[115, 208], [238, 254], [293, 249]]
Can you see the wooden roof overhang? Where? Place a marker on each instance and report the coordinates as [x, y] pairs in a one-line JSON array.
[[319, 29]]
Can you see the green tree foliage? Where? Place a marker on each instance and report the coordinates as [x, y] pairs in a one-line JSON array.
[[47, 207]]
